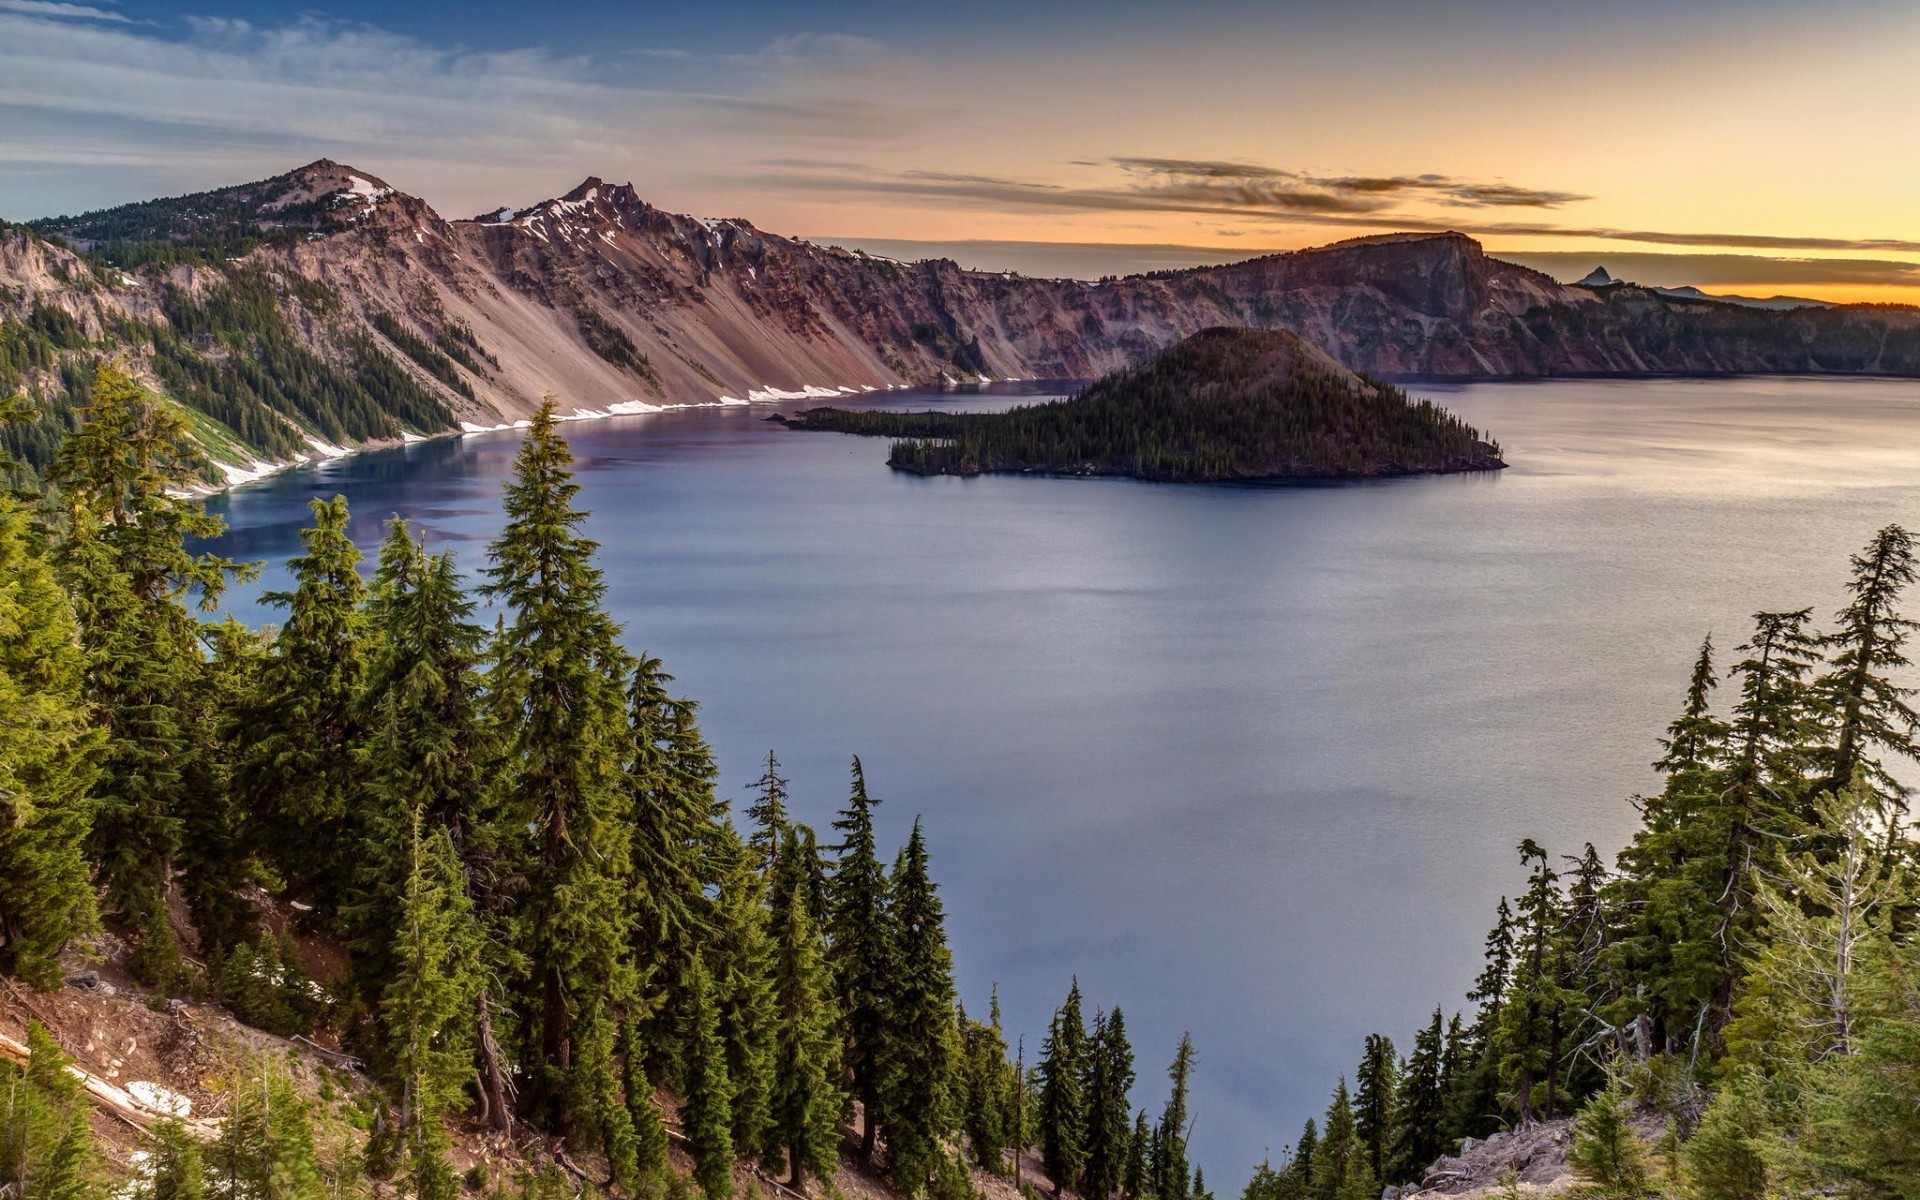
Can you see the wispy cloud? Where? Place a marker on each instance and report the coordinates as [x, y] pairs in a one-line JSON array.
[[1266, 194], [56, 9]]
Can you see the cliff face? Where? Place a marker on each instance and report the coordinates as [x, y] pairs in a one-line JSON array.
[[604, 300]]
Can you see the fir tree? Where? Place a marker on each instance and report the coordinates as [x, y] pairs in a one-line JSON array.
[[47, 750], [864, 956], [175, 1168], [1109, 1084], [1337, 1153], [1871, 712], [1605, 1148], [555, 684], [1305, 1151], [1137, 1179], [301, 733], [122, 557], [1063, 1103], [1373, 1102], [429, 1007], [768, 814], [1170, 1165], [742, 967], [986, 1088], [1724, 1158], [1533, 1018], [920, 1107], [806, 1073], [266, 1150], [46, 1144], [707, 1116], [1420, 1107]]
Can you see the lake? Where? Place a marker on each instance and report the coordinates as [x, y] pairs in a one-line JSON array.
[[1251, 761]]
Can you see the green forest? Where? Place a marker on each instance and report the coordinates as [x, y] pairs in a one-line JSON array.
[[1742, 984], [1224, 404], [549, 919]]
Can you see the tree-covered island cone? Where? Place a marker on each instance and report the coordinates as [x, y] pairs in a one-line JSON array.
[[1224, 404]]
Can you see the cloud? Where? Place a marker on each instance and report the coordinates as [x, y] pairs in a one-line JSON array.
[[1221, 189], [53, 8]]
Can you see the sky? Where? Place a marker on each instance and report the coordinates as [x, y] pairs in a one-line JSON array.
[[1742, 145]]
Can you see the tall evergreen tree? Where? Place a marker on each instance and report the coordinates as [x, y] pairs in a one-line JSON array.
[[302, 736], [864, 956], [47, 750], [986, 1088], [429, 1007], [806, 1075], [1062, 1098], [920, 1104], [1109, 1086], [122, 557], [1473, 1100], [1337, 1154], [741, 960], [46, 1145], [1170, 1165], [555, 683], [1871, 713], [1533, 1018], [768, 813], [708, 1115], [1378, 1083], [266, 1150], [1136, 1181], [1420, 1107], [1305, 1151]]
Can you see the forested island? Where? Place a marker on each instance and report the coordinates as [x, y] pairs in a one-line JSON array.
[[1225, 404]]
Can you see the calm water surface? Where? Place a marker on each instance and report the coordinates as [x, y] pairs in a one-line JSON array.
[[1252, 761]]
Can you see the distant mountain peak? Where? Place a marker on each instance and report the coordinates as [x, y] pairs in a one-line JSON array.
[[1596, 278]]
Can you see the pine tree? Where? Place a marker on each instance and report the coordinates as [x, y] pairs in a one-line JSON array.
[[1420, 1107], [301, 733], [1109, 1085], [175, 1168], [919, 1106], [1305, 1151], [708, 1116], [1170, 1146], [807, 1096], [1534, 1015], [864, 956], [1337, 1153], [741, 960], [47, 751], [555, 684], [768, 814], [1137, 1179], [1605, 1148], [46, 1144], [1870, 711], [1374, 1116], [1473, 1100], [1724, 1157], [429, 1006], [122, 557], [1063, 1103], [266, 1150], [985, 1088]]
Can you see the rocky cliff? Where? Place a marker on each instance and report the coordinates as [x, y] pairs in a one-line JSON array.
[[608, 302]]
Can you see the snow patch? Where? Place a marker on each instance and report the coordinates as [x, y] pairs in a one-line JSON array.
[[327, 449], [160, 1099]]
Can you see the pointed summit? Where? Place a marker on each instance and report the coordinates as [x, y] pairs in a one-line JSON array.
[[1596, 278]]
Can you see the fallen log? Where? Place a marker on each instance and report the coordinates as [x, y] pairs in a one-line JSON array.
[[116, 1101]]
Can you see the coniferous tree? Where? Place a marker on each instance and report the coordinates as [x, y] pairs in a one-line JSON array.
[[1605, 1148], [175, 1169], [301, 730], [1420, 1107], [1170, 1165], [1136, 1181], [864, 957], [806, 1075], [1378, 1082], [1473, 1102], [920, 1107], [985, 1088], [742, 967], [428, 1006], [555, 684], [1305, 1151], [1108, 1088], [1871, 713], [265, 1150], [46, 1145], [123, 559], [1724, 1157], [768, 814], [1337, 1153], [47, 750], [1062, 1098], [1533, 1017], [708, 1115]]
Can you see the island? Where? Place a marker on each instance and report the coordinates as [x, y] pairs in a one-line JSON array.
[[1225, 404]]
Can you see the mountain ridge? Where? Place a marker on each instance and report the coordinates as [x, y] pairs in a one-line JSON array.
[[614, 304]]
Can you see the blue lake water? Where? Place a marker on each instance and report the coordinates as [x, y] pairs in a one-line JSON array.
[[1252, 761]]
